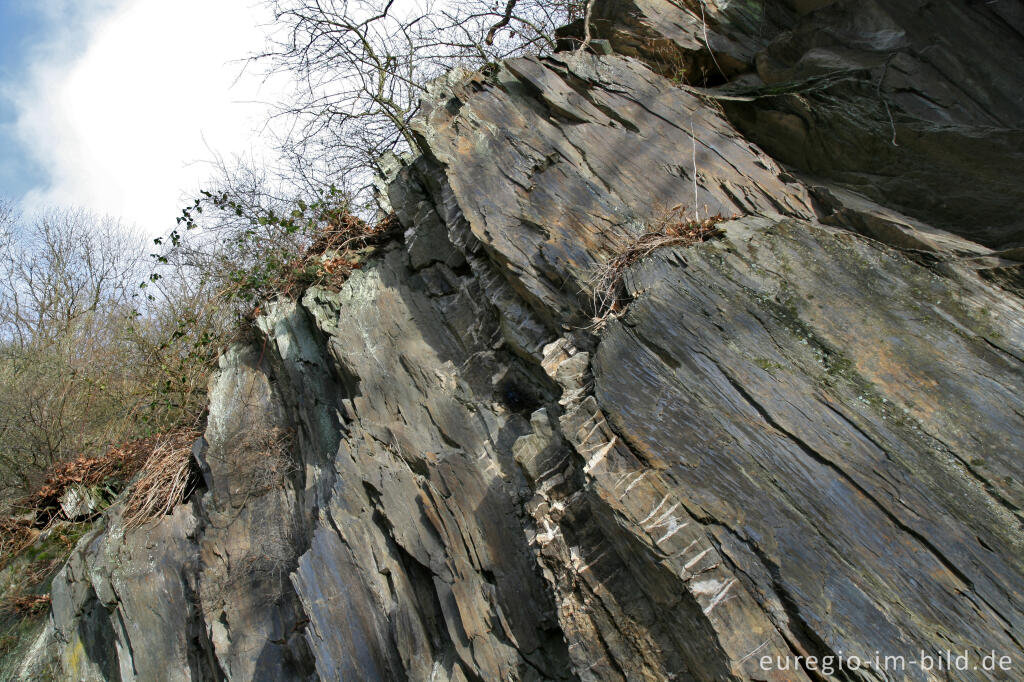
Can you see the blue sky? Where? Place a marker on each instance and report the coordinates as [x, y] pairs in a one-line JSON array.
[[117, 106], [21, 27]]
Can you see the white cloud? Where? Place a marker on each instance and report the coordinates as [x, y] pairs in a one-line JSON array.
[[123, 126]]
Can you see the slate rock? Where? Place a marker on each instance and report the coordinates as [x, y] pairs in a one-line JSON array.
[[800, 438]]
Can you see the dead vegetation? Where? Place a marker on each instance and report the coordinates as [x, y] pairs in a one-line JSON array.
[[273, 462], [670, 227], [151, 476], [334, 252], [114, 469], [165, 479], [154, 474], [160, 462], [25, 577], [30, 604], [15, 535]]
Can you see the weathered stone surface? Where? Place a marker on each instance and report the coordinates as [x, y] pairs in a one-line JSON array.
[[591, 149], [422, 540], [253, 522], [824, 445], [802, 438], [124, 606]]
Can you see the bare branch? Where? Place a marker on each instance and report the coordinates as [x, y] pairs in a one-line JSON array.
[[502, 23]]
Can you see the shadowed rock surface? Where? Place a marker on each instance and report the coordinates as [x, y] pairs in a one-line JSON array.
[[914, 103], [800, 438]]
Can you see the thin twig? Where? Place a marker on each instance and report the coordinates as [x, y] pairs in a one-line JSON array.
[[704, 25], [693, 141]]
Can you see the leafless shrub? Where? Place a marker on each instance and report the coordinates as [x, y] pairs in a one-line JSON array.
[[265, 460], [270, 564], [67, 279], [254, 462]]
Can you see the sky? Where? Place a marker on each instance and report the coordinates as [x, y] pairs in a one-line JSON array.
[[118, 106]]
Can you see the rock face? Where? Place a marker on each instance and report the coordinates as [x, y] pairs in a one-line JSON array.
[[801, 439], [916, 104]]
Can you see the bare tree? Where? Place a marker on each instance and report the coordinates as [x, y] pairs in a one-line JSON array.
[[67, 280], [61, 268], [360, 66]]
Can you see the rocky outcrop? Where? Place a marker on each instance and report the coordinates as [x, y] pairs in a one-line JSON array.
[[794, 443]]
